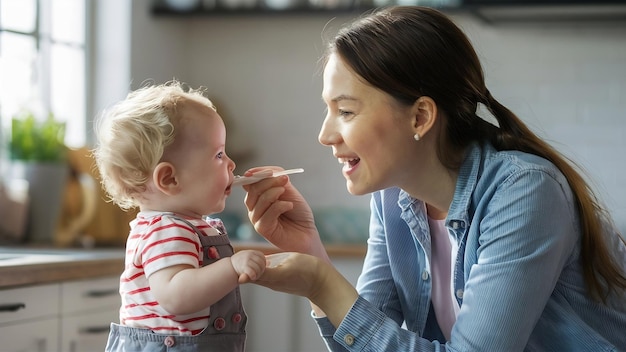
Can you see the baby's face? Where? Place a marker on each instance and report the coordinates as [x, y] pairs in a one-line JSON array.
[[203, 169]]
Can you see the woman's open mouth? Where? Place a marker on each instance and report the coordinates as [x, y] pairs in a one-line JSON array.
[[349, 163]]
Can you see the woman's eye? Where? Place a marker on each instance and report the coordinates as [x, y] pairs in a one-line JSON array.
[[345, 113]]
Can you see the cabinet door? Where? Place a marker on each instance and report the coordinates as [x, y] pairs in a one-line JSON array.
[[270, 320], [27, 303], [35, 336], [87, 332], [90, 295], [29, 318], [281, 322], [87, 309]]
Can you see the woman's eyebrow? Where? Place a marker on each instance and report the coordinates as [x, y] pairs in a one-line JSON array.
[[343, 97]]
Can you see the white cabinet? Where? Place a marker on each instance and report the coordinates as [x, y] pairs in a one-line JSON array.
[[72, 316], [35, 336], [29, 319], [269, 319], [86, 332], [87, 309], [282, 322], [75, 316]]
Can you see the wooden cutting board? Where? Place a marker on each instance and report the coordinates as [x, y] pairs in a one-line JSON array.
[[109, 224]]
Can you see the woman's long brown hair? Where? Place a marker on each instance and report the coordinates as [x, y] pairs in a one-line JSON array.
[[412, 51]]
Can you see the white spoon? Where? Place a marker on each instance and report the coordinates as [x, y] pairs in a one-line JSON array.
[[246, 180]]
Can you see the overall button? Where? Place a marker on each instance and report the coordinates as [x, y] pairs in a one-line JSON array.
[[169, 341], [425, 275], [236, 318], [212, 253], [219, 323]]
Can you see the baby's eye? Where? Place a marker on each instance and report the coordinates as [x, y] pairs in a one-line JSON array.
[[220, 155]]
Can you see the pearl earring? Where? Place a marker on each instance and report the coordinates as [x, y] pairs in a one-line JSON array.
[[416, 136]]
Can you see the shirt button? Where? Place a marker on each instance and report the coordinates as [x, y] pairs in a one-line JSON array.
[[219, 324], [169, 341], [459, 294], [236, 318], [425, 275], [349, 339]]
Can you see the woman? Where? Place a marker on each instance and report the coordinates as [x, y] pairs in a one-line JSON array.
[[482, 237]]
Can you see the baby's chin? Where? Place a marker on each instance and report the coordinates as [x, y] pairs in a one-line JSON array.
[[213, 210]]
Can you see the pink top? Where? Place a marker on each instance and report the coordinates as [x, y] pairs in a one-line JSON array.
[[442, 263]]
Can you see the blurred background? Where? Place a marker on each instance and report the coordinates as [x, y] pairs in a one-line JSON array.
[[560, 65]]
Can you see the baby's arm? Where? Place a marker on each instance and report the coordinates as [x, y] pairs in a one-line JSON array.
[[183, 289]]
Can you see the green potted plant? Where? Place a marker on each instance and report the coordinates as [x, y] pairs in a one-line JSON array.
[[37, 141], [38, 154]]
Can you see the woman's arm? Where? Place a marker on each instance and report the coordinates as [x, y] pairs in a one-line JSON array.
[[359, 325], [314, 278], [520, 240]]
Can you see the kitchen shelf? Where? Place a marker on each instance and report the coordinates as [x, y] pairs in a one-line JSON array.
[[162, 9], [489, 11]]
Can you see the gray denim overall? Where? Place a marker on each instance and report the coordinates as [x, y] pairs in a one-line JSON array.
[[226, 330]]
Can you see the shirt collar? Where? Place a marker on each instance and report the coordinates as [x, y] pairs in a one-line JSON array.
[[458, 217]]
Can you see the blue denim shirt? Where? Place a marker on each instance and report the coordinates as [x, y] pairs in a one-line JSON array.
[[517, 277]]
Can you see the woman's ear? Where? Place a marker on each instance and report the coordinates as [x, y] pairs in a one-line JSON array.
[[424, 115], [164, 178]]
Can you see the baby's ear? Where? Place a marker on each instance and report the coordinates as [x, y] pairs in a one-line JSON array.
[[164, 178]]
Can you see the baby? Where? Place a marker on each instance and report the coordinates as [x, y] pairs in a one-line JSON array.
[[162, 150]]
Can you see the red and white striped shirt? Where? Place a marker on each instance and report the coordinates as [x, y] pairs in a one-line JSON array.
[[157, 241]]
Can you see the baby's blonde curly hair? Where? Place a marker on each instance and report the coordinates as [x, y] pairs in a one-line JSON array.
[[132, 136]]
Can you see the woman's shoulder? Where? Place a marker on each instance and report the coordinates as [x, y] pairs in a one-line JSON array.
[[492, 172], [511, 163]]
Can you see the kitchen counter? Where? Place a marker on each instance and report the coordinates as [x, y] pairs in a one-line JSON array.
[[20, 266]]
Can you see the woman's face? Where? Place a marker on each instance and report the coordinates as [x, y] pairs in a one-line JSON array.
[[370, 133]]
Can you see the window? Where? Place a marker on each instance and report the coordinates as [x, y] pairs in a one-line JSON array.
[[43, 62]]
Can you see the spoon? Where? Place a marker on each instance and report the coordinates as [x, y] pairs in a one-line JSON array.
[[246, 180]]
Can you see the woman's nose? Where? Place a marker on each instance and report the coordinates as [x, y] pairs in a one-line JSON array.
[[328, 133]]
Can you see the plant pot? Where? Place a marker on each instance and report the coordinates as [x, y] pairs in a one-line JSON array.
[[46, 183]]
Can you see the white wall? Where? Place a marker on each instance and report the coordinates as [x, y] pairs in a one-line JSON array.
[[567, 81]]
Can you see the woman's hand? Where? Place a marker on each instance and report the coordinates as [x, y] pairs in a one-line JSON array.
[[311, 277], [281, 215], [294, 273]]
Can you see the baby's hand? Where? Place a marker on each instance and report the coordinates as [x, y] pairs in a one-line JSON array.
[[249, 265]]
